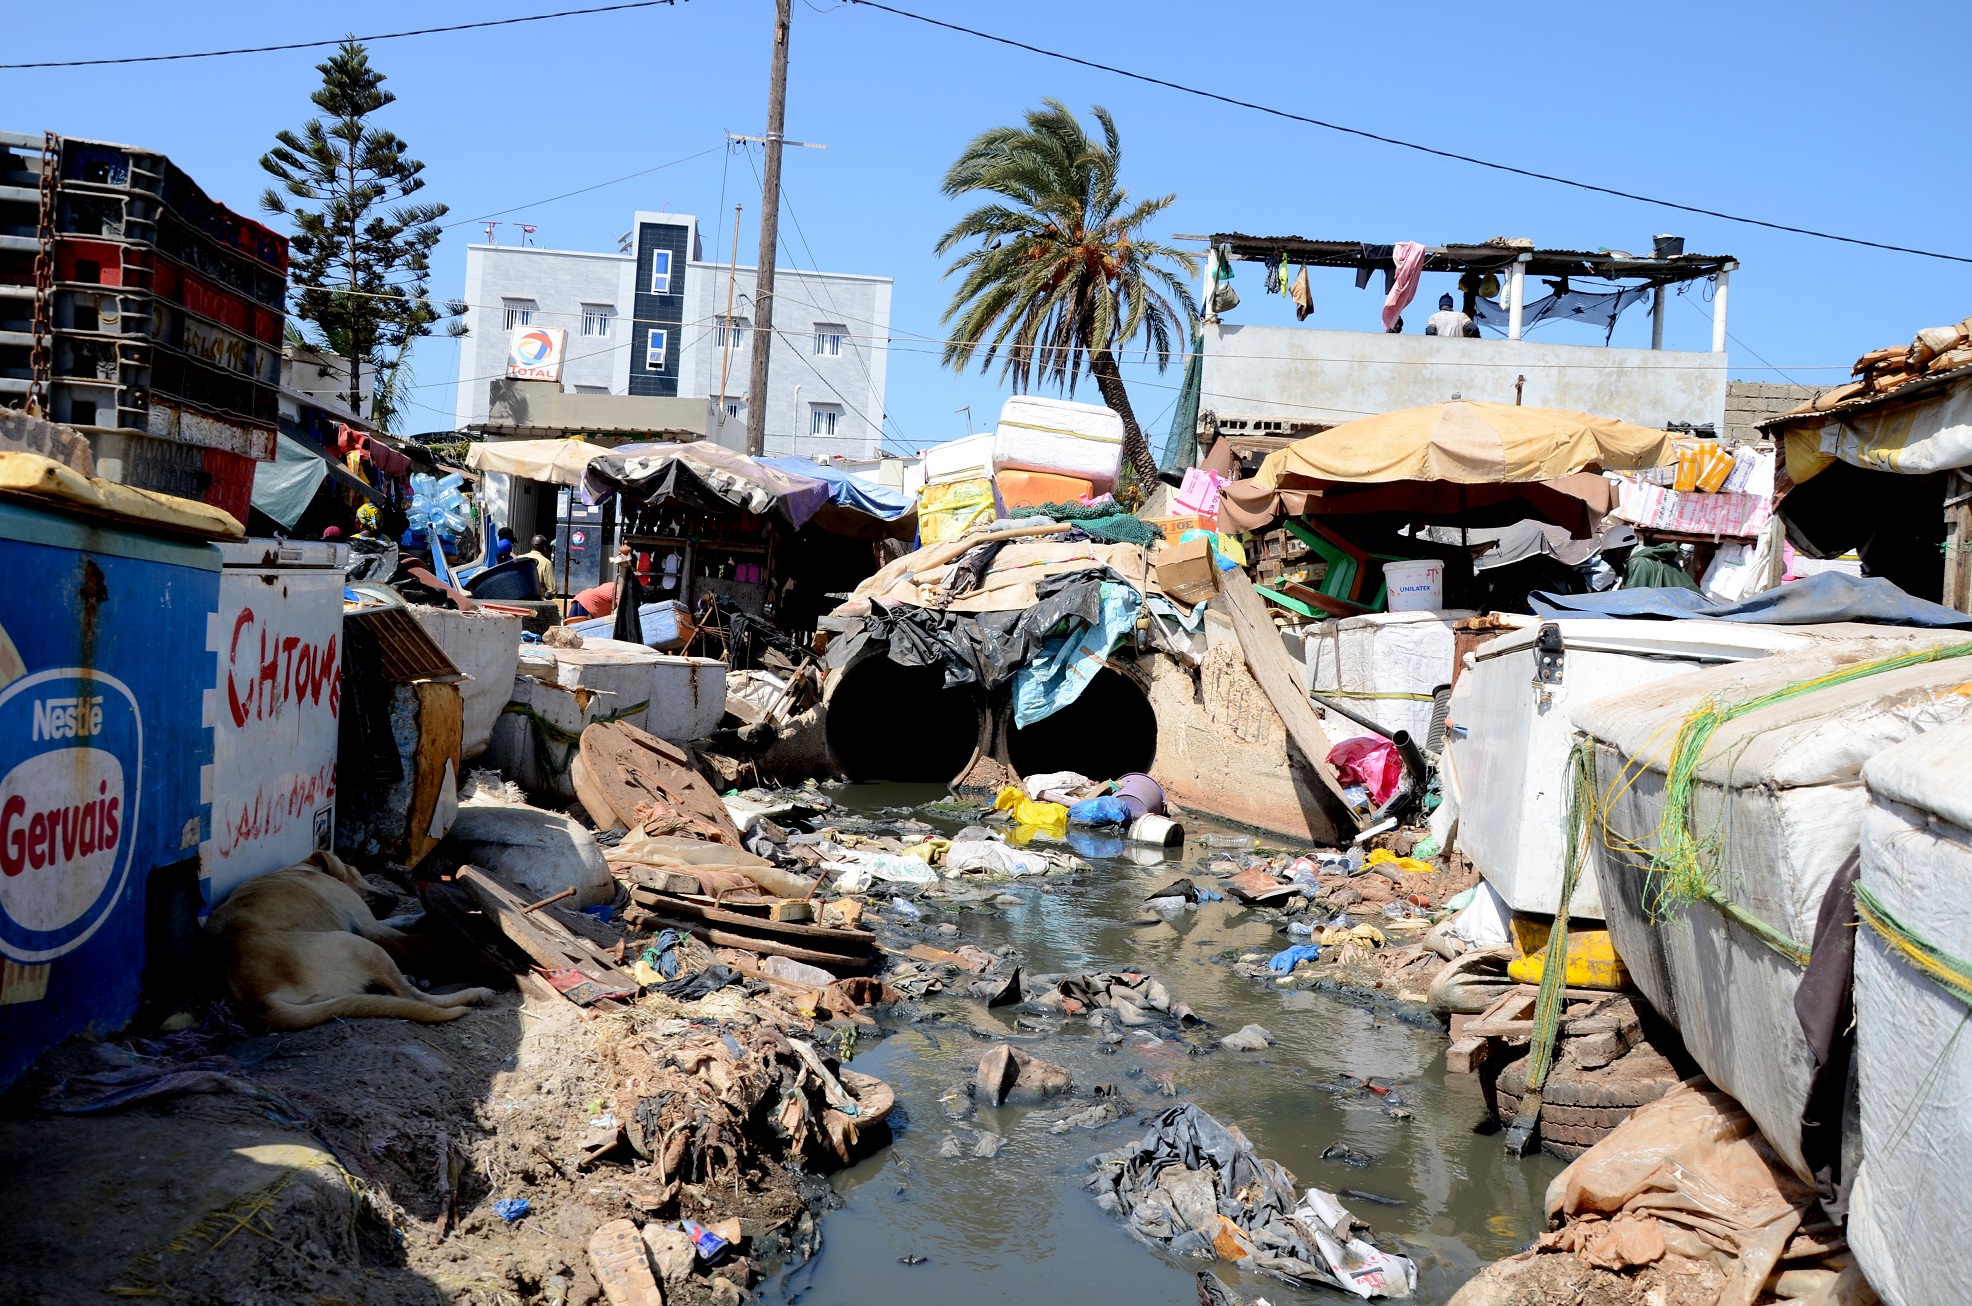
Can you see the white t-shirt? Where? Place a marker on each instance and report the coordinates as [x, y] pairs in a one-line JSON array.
[[1449, 322]]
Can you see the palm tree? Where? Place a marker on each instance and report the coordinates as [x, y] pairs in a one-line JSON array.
[[1060, 280]]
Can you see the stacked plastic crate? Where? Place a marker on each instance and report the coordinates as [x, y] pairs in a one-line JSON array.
[[138, 310]]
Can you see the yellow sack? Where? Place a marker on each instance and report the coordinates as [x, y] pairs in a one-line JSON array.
[[947, 511], [1591, 960], [1230, 547], [1047, 818]]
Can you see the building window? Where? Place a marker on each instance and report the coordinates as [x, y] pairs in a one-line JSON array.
[[518, 312], [828, 339], [730, 333], [660, 272], [654, 352], [595, 319], [823, 419], [733, 407]]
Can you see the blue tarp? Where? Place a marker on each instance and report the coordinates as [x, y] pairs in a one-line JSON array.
[[1824, 597], [846, 491]]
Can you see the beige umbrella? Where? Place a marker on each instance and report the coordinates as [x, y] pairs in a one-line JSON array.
[[560, 462]]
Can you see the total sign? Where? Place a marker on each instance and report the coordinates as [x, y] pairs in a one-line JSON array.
[[68, 807], [535, 353]]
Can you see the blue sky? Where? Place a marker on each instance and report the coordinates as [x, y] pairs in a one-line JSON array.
[[1797, 114]]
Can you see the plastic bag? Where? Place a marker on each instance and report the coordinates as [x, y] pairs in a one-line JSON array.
[[1048, 818], [1287, 959], [991, 857], [1370, 761], [1100, 811]]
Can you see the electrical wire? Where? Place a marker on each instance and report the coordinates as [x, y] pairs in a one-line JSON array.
[[628, 176], [1410, 145], [316, 45]]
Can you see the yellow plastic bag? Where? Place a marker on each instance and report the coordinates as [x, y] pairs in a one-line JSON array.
[[1407, 865], [947, 511], [1047, 818]]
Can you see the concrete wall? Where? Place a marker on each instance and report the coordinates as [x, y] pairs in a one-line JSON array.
[[1748, 402], [1292, 374], [560, 282], [851, 382]]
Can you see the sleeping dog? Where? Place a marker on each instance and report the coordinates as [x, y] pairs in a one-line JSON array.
[[300, 947]]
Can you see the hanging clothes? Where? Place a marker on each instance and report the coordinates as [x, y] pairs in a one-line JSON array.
[[1408, 256], [1372, 255], [1281, 275], [1304, 298]]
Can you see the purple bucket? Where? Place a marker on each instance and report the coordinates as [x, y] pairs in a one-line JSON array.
[[1141, 794]]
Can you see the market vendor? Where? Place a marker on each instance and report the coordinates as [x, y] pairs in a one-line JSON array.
[[596, 601], [541, 552]]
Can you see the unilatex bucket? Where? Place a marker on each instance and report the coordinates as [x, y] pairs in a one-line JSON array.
[[1417, 586]]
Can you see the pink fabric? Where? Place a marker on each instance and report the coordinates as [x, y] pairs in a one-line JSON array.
[[1370, 761], [1409, 258]]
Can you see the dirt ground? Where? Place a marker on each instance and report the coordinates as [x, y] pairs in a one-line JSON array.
[[1562, 1280], [330, 1185]]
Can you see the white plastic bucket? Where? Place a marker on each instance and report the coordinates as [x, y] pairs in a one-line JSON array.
[[1417, 586]]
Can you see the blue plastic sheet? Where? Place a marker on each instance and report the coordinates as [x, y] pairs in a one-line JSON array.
[[846, 491], [1056, 675], [1824, 597]]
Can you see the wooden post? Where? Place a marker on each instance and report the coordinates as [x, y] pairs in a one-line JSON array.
[[770, 218]]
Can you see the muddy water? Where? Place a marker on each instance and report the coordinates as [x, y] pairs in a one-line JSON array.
[[1020, 1227]]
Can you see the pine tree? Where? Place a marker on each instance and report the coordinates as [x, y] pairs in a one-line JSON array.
[[359, 255]]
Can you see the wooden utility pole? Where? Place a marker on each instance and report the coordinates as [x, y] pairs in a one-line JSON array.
[[770, 222], [726, 353]]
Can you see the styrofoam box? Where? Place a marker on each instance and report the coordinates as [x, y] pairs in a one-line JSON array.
[[1911, 1205], [1384, 665], [968, 458], [1513, 736], [687, 698], [1778, 796], [1055, 435]]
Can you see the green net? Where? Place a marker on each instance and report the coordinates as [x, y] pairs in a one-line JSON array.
[[1104, 521]]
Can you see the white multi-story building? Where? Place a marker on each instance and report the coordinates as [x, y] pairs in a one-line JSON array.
[[655, 322]]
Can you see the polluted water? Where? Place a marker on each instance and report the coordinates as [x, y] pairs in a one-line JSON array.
[[976, 1204]]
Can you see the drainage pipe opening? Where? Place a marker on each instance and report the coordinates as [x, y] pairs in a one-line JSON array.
[[1109, 731], [891, 722]]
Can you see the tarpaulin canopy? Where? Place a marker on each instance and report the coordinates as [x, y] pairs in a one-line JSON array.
[[284, 485], [707, 476], [1466, 442], [1574, 502], [846, 491], [1827, 596], [559, 462]]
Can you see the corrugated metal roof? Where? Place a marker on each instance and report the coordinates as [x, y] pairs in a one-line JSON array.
[[1478, 256], [1916, 389]]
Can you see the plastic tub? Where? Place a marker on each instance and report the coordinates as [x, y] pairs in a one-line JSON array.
[[1140, 787], [1417, 586]]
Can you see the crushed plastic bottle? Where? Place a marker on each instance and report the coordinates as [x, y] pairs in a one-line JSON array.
[[1214, 839]]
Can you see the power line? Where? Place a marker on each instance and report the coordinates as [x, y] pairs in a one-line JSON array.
[[628, 176], [315, 45], [1409, 145]]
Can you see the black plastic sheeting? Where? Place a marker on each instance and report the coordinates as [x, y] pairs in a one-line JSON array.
[[983, 648], [1824, 597]]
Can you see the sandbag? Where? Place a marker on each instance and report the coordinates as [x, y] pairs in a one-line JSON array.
[[539, 853]]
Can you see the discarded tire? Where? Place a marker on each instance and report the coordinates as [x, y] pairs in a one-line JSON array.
[[1579, 1108]]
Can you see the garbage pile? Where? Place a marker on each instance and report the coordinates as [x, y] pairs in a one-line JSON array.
[[1685, 1201], [1194, 1187]]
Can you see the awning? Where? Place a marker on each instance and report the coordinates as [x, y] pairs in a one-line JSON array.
[[560, 462], [846, 491], [284, 486], [708, 476], [1575, 502]]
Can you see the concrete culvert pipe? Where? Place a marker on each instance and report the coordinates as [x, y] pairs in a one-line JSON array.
[[891, 722], [1109, 731]]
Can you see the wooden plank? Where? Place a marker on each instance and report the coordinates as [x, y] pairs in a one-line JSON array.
[[858, 941], [1466, 1055], [441, 732], [545, 940], [831, 961], [1267, 659]]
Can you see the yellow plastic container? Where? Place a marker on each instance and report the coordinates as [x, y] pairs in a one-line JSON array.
[[1592, 962], [945, 512]]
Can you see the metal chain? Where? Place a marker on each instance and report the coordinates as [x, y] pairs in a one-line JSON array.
[[39, 362]]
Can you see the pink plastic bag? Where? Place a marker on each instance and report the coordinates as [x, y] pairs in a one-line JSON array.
[[1370, 761]]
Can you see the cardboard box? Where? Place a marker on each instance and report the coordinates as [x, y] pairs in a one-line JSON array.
[[1188, 573], [1173, 527]]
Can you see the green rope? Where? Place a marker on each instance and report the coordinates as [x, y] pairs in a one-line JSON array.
[[1686, 862], [1949, 972], [1554, 966]]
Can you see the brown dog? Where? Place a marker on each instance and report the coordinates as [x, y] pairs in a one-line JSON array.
[[300, 947]]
